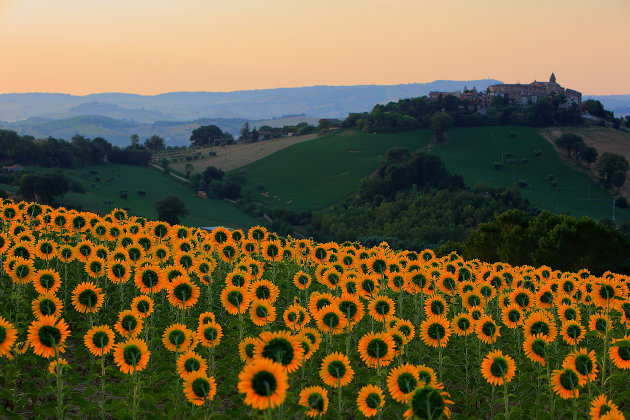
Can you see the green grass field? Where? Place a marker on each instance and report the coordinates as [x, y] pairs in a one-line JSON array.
[[471, 152], [114, 177], [318, 173]]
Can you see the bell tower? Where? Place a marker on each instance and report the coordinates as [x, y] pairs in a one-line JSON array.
[[552, 79]]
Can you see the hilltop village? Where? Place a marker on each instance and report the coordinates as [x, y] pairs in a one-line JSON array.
[[521, 94]]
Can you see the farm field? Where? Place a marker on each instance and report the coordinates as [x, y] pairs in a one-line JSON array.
[[601, 138], [316, 174], [114, 178], [125, 318], [471, 152], [229, 157]]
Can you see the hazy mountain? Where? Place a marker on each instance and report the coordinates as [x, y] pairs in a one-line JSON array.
[[619, 104], [320, 101]]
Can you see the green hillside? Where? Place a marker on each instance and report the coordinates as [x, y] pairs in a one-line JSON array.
[[471, 152], [114, 178], [316, 174]]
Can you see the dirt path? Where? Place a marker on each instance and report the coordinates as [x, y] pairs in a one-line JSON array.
[[237, 155], [170, 173]]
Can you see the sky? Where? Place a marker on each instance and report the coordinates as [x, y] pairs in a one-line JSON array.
[[155, 46]]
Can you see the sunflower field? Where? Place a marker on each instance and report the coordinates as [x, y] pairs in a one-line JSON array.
[[120, 317]]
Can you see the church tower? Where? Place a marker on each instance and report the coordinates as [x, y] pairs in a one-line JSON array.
[[552, 79]]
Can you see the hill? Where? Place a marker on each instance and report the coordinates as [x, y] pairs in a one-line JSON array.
[[315, 174]]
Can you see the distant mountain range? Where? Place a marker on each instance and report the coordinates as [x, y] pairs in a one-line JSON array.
[[115, 116]]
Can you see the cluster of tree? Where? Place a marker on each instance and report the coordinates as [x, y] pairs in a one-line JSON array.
[[153, 143], [612, 168], [210, 135], [402, 171], [43, 187], [559, 241], [414, 113], [218, 184], [58, 153], [266, 132], [576, 148], [171, 209]]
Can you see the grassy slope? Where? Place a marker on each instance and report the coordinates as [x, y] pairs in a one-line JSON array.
[[156, 185], [472, 151], [315, 174]]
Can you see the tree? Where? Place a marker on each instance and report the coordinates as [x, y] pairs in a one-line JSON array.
[[245, 132], [568, 142], [594, 108], [589, 155], [440, 122], [156, 142], [188, 169], [609, 163], [135, 141], [44, 187], [171, 209], [206, 135]]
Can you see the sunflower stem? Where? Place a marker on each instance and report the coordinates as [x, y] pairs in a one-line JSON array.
[[103, 386], [59, 383]]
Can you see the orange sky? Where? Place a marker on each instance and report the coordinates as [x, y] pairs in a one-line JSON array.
[[156, 46]]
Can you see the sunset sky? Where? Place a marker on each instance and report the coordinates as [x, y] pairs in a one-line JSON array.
[[156, 46]]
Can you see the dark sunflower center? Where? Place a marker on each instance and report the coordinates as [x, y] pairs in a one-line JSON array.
[[96, 266], [47, 307], [570, 314], [398, 281], [499, 367], [538, 347], [134, 254], [192, 365], [292, 316], [316, 402], [303, 280], [574, 331], [20, 251], [46, 248], [425, 376], [474, 300], [405, 330], [279, 350], [606, 291], [88, 298], [600, 325], [486, 291], [406, 382], [100, 339], [437, 307], [143, 306], [546, 297], [264, 383], [373, 400], [119, 271], [539, 327], [129, 322], [436, 331], [238, 280], [149, 278], [177, 337], [249, 350], [624, 350], [348, 308], [419, 279], [337, 369], [235, 297], [66, 253], [368, 286], [463, 324], [488, 329], [377, 348], [22, 271], [382, 307], [330, 319], [321, 303], [49, 336], [3, 334], [85, 250], [568, 286], [514, 315], [47, 281], [183, 292], [569, 379], [262, 292], [583, 364], [132, 355], [160, 253], [449, 283], [351, 287], [186, 261], [522, 300], [261, 311]]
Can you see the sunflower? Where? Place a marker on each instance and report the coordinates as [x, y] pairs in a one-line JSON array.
[[47, 333], [624, 308], [264, 383], [498, 368], [398, 282], [313, 336], [368, 287], [87, 298], [52, 366], [45, 249], [47, 305], [8, 336], [317, 301], [142, 306], [129, 324], [183, 293], [541, 322], [381, 307], [402, 381], [335, 370], [131, 355], [447, 282], [512, 316], [349, 284], [428, 401], [246, 348], [565, 383], [238, 278], [203, 268], [572, 332], [206, 317], [435, 331], [607, 293], [190, 362], [99, 340], [351, 307], [23, 271], [235, 299], [545, 297], [600, 406], [599, 323], [523, 297], [177, 338], [22, 250], [264, 290], [376, 349], [199, 387], [619, 352], [118, 271], [228, 251], [406, 327], [315, 398], [569, 313], [280, 347], [150, 279], [331, 320], [262, 312], [370, 400], [296, 317], [584, 363]]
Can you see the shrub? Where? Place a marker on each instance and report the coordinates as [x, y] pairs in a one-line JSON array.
[[142, 193], [509, 155], [537, 153], [512, 134], [549, 177], [212, 154], [522, 183], [510, 162], [621, 202], [524, 161], [123, 195], [496, 165]]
